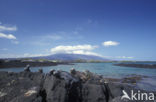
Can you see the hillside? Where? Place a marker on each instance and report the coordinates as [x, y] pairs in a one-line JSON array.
[[73, 57]]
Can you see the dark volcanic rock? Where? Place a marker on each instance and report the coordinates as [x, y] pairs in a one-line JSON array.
[[20, 63], [55, 89], [20, 87], [59, 86], [40, 70], [94, 93]]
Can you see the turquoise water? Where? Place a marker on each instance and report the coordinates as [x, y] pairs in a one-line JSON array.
[[105, 69]]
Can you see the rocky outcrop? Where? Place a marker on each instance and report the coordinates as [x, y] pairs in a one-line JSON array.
[[18, 63], [59, 86]]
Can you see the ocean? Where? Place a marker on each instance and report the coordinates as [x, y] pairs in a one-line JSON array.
[[107, 70]]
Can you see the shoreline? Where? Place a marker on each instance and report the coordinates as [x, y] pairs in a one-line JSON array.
[[60, 86], [149, 66], [20, 63]]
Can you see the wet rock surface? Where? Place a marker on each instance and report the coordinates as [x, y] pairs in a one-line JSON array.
[[60, 86]]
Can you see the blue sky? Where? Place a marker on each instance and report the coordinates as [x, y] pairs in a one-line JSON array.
[[116, 29]]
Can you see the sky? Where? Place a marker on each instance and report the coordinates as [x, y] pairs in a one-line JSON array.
[[114, 29]]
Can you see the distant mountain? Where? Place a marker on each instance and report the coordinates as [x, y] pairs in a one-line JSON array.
[[67, 57], [71, 57]]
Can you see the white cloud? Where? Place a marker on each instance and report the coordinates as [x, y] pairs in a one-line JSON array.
[[62, 48], [7, 28], [110, 43], [85, 52], [77, 49], [124, 57], [7, 36]]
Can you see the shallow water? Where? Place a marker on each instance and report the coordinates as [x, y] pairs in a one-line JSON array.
[[105, 69]]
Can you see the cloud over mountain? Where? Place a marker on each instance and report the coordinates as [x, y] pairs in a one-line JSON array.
[[77, 49]]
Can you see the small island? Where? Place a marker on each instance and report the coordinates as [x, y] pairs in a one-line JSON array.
[[137, 65]]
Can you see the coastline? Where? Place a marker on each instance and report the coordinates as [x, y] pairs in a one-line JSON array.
[[21, 63], [151, 66], [60, 86]]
